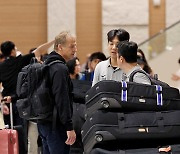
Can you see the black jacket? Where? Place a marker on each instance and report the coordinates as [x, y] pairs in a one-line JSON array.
[[9, 70], [61, 86]]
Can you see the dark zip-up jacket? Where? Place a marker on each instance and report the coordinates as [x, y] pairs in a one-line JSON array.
[[61, 87], [9, 70]]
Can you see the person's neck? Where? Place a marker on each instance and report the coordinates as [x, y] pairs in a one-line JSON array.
[[61, 54], [13, 54], [128, 67], [114, 62]]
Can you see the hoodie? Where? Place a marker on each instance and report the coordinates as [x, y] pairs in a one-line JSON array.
[[61, 87]]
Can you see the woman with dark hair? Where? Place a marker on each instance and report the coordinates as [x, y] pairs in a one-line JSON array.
[[141, 60], [74, 68]]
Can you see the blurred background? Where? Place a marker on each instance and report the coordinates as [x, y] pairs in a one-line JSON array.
[[153, 24]]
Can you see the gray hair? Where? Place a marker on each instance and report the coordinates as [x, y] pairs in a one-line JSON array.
[[61, 38]]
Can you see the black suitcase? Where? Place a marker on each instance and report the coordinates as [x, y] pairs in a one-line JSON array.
[[136, 129], [169, 149], [80, 87], [130, 96]]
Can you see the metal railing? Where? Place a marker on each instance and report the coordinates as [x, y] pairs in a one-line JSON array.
[[164, 41]]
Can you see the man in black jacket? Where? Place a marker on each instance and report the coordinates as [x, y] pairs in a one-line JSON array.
[[58, 140]]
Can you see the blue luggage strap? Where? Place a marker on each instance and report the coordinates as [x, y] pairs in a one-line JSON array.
[[124, 91], [159, 95]]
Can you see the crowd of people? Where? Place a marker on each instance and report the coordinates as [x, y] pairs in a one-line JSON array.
[[124, 57]]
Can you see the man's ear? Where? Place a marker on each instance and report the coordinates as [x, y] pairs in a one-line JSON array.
[[97, 60], [121, 59], [13, 53], [59, 47]]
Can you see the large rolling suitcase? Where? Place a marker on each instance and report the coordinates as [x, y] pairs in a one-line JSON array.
[[136, 129], [9, 139], [130, 96], [169, 149]]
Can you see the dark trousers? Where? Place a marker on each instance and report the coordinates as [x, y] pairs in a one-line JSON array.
[[53, 140]]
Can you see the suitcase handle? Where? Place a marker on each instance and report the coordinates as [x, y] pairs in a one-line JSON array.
[[11, 112]]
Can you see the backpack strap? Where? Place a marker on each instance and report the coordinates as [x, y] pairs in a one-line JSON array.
[[139, 71], [33, 60], [55, 61]]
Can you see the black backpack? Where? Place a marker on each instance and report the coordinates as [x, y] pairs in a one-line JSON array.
[[35, 101], [154, 80]]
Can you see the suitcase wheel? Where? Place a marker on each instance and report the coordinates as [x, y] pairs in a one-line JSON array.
[[98, 138], [105, 104]]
